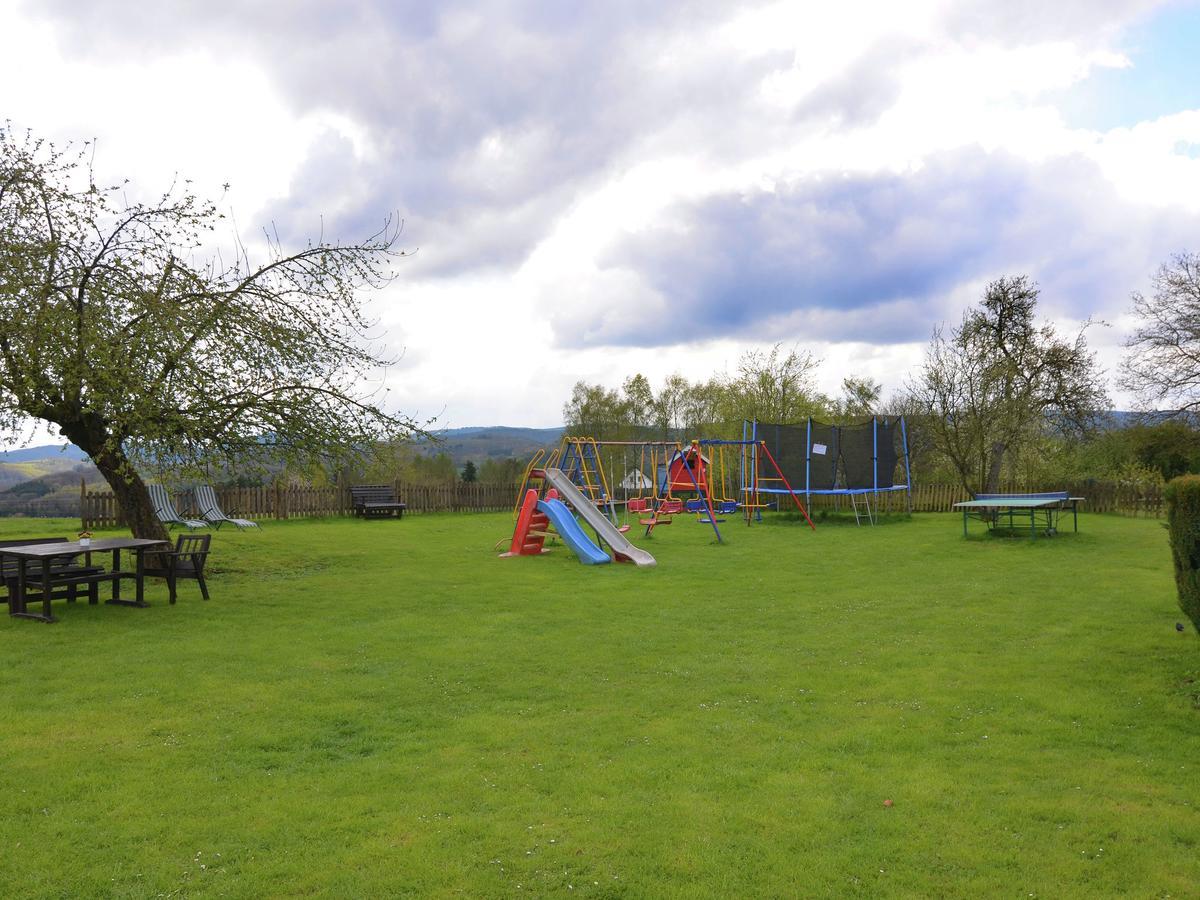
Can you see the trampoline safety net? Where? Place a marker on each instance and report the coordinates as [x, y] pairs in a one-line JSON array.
[[843, 457]]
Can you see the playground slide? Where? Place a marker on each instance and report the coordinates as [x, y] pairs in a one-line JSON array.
[[560, 481], [573, 536]]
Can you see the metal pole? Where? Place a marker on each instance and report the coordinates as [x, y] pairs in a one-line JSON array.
[[712, 516], [808, 462], [783, 478], [874, 464]]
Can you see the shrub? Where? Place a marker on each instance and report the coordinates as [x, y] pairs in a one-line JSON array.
[[1183, 520]]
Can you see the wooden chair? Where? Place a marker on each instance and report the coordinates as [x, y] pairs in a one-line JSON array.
[[185, 561]]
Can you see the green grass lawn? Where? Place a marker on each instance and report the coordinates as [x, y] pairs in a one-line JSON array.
[[371, 709]]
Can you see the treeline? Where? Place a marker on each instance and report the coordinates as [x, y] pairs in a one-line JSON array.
[[998, 399], [413, 466], [769, 385]]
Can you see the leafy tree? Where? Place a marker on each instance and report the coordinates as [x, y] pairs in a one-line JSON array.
[[469, 473], [639, 399], [772, 386], [437, 469], [706, 410], [117, 327], [596, 411], [999, 381], [670, 407], [860, 398], [1170, 448], [1163, 365], [502, 471]]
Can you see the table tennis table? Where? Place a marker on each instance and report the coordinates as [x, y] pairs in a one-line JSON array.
[[1043, 509]]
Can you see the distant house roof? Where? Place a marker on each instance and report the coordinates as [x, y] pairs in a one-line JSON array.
[[636, 480]]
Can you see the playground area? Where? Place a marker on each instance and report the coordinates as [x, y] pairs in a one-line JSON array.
[[380, 708], [611, 486]]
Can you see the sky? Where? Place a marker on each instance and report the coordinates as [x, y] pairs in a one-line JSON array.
[[597, 189]]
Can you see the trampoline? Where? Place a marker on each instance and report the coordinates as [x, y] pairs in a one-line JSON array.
[[857, 461]]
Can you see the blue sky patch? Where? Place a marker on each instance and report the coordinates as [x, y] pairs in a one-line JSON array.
[[1164, 77]]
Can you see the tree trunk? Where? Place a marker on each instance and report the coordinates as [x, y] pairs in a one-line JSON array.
[[131, 493], [995, 467]]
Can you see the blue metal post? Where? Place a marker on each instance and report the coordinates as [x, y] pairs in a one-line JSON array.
[[907, 472], [757, 505], [875, 460], [875, 455], [712, 514], [807, 463]]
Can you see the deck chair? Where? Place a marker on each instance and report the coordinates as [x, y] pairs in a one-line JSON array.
[[165, 509], [185, 561], [205, 499]]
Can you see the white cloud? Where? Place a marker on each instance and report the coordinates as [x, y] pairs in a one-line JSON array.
[[529, 146]]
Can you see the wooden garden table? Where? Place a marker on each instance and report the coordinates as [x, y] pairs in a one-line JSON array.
[[44, 553]]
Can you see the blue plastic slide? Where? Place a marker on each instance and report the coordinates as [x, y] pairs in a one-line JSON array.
[[572, 534]]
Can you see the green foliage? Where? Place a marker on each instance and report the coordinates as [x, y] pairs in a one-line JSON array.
[[861, 398], [34, 488], [999, 382], [1183, 520], [124, 326], [770, 385], [469, 473], [502, 471], [380, 709], [241, 481], [436, 469], [1171, 448]]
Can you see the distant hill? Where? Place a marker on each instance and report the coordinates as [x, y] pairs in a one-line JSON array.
[[17, 466], [47, 451], [492, 442], [45, 487]]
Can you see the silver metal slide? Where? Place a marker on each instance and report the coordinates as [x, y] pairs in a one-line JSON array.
[[571, 495]]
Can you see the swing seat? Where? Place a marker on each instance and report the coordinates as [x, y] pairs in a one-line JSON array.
[[622, 528], [705, 520], [726, 507], [651, 524], [695, 505], [670, 507], [665, 520], [637, 505]]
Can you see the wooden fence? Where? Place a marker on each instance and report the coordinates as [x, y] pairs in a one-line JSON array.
[[99, 508]]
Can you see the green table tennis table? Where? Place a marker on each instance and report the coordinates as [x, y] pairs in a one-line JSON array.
[[1005, 510]]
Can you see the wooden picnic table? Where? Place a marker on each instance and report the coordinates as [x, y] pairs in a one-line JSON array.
[[46, 580]]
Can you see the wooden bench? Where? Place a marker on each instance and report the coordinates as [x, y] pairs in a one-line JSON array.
[[375, 500], [67, 575]]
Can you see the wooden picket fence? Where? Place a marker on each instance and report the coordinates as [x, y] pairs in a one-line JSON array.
[[99, 508]]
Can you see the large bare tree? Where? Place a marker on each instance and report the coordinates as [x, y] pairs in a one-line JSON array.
[[117, 327], [997, 382], [1163, 365]]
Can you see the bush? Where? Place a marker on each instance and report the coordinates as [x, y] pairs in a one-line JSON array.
[[1183, 520]]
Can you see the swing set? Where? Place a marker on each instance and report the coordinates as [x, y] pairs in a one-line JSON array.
[[704, 470]]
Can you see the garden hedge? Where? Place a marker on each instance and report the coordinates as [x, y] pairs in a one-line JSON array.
[[1183, 521]]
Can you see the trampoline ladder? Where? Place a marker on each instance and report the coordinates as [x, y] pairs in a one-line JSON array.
[[866, 499]]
